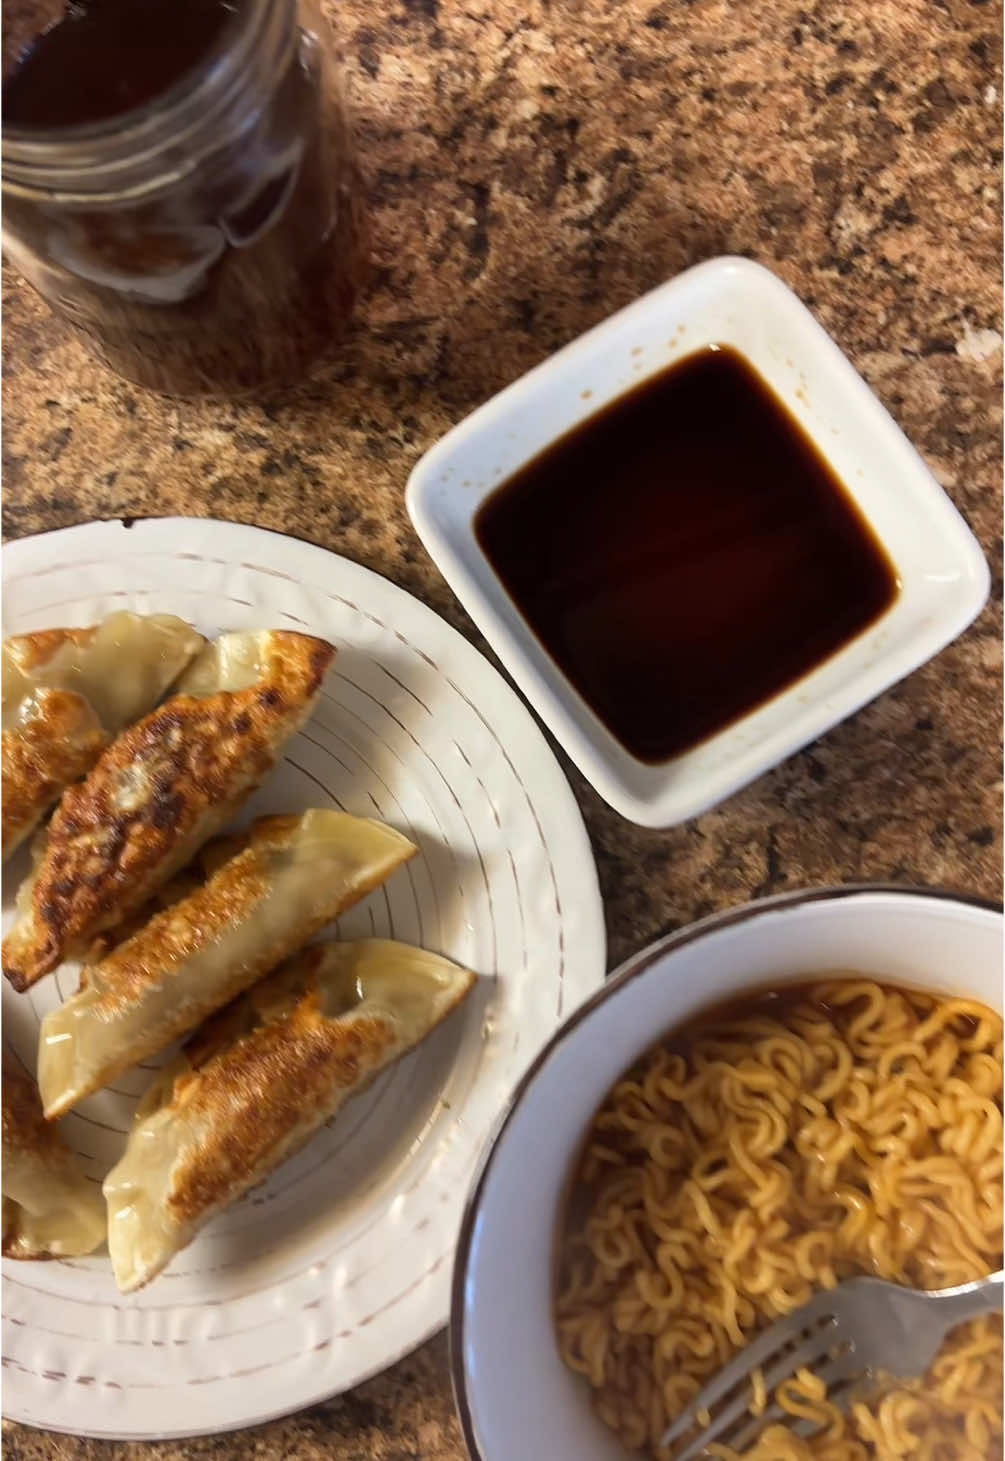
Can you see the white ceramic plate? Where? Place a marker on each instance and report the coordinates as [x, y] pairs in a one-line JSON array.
[[341, 1263]]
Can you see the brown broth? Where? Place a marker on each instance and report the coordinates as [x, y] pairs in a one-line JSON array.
[[685, 554]]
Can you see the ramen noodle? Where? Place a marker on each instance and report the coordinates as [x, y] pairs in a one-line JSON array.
[[771, 1148]]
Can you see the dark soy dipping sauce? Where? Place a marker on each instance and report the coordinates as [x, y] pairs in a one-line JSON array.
[[685, 554]]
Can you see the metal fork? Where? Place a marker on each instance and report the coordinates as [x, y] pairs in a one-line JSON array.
[[863, 1325]]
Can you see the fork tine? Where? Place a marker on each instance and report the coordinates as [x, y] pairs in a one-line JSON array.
[[801, 1426], [736, 1406], [747, 1434], [845, 1388], [818, 1343], [841, 1367], [758, 1352], [840, 1375]]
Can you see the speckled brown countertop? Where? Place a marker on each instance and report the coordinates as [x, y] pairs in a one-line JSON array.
[[530, 168]]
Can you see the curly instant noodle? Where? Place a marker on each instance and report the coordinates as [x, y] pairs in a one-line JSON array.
[[769, 1150]]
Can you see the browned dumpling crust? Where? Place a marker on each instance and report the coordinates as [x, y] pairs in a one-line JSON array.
[[282, 882], [259, 1079], [57, 743], [160, 790], [67, 692]]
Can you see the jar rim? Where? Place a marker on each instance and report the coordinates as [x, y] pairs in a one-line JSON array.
[[154, 144]]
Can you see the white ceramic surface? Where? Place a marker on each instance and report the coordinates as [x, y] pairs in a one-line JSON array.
[[341, 1262], [516, 1397], [734, 302]]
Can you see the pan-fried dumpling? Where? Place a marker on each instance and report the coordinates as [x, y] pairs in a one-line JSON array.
[[50, 1209], [258, 1080], [286, 879], [67, 692], [161, 790]]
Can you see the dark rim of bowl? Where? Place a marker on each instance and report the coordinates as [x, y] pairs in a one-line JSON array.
[[634, 965]]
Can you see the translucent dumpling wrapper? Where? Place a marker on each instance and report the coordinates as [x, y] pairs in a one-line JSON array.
[[280, 884], [50, 1209], [258, 1080], [68, 692], [159, 791]]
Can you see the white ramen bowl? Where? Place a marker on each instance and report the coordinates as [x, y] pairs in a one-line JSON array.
[[515, 1397], [728, 301]]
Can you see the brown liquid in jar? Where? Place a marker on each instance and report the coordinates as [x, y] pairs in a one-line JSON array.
[[685, 554], [109, 56], [232, 277]]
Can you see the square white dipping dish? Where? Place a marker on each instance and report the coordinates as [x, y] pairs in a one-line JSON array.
[[943, 578]]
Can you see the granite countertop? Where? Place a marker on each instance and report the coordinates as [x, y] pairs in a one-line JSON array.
[[530, 168]]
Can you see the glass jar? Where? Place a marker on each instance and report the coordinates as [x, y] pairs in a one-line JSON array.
[[208, 239]]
